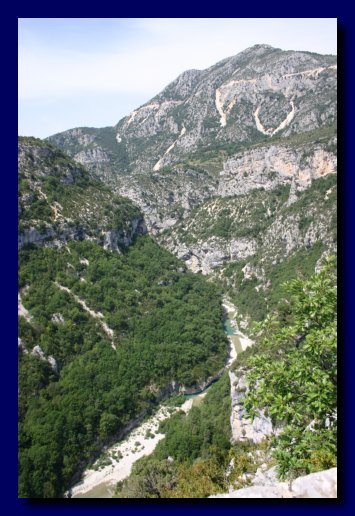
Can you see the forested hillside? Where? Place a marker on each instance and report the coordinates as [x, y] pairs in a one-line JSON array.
[[102, 336]]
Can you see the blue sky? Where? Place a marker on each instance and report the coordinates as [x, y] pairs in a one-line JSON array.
[[92, 72]]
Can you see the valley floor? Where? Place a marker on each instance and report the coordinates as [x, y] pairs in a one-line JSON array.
[[100, 483], [141, 441]]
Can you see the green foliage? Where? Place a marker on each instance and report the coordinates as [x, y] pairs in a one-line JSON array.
[[316, 193], [167, 326], [38, 210], [150, 480], [299, 264], [211, 122], [201, 479], [108, 424], [256, 139], [31, 140], [293, 374], [244, 294], [322, 134], [222, 227], [242, 216], [191, 460], [189, 437]]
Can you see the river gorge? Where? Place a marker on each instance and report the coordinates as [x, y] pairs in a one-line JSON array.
[[115, 463]]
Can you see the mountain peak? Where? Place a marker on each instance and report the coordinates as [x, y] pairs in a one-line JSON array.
[[258, 49], [242, 100], [260, 45]]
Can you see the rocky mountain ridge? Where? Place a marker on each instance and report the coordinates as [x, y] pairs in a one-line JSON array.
[[207, 116], [239, 100], [58, 202], [258, 125]]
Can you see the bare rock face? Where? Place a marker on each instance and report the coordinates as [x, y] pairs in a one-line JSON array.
[[269, 167], [39, 353], [265, 476], [213, 252], [53, 363], [95, 155], [57, 318], [201, 386], [243, 428], [33, 236], [322, 484], [242, 101], [116, 239]]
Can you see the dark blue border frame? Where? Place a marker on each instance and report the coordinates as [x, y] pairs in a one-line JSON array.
[[10, 502]]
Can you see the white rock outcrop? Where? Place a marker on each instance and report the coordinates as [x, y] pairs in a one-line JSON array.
[[268, 167], [212, 253], [322, 484], [243, 428], [39, 353]]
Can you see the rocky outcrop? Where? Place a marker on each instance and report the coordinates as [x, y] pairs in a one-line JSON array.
[[322, 484], [177, 387], [57, 318], [33, 236], [114, 240], [243, 428], [165, 197], [49, 236], [286, 230], [53, 363], [200, 386], [22, 311], [89, 156], [270, 166], [87, 211], [39, 353], [213, 252]]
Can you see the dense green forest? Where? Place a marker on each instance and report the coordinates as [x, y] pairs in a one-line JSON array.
[[291, 373], [166, 325]]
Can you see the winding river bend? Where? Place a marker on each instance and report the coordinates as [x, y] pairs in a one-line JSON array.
[[142, 440]]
